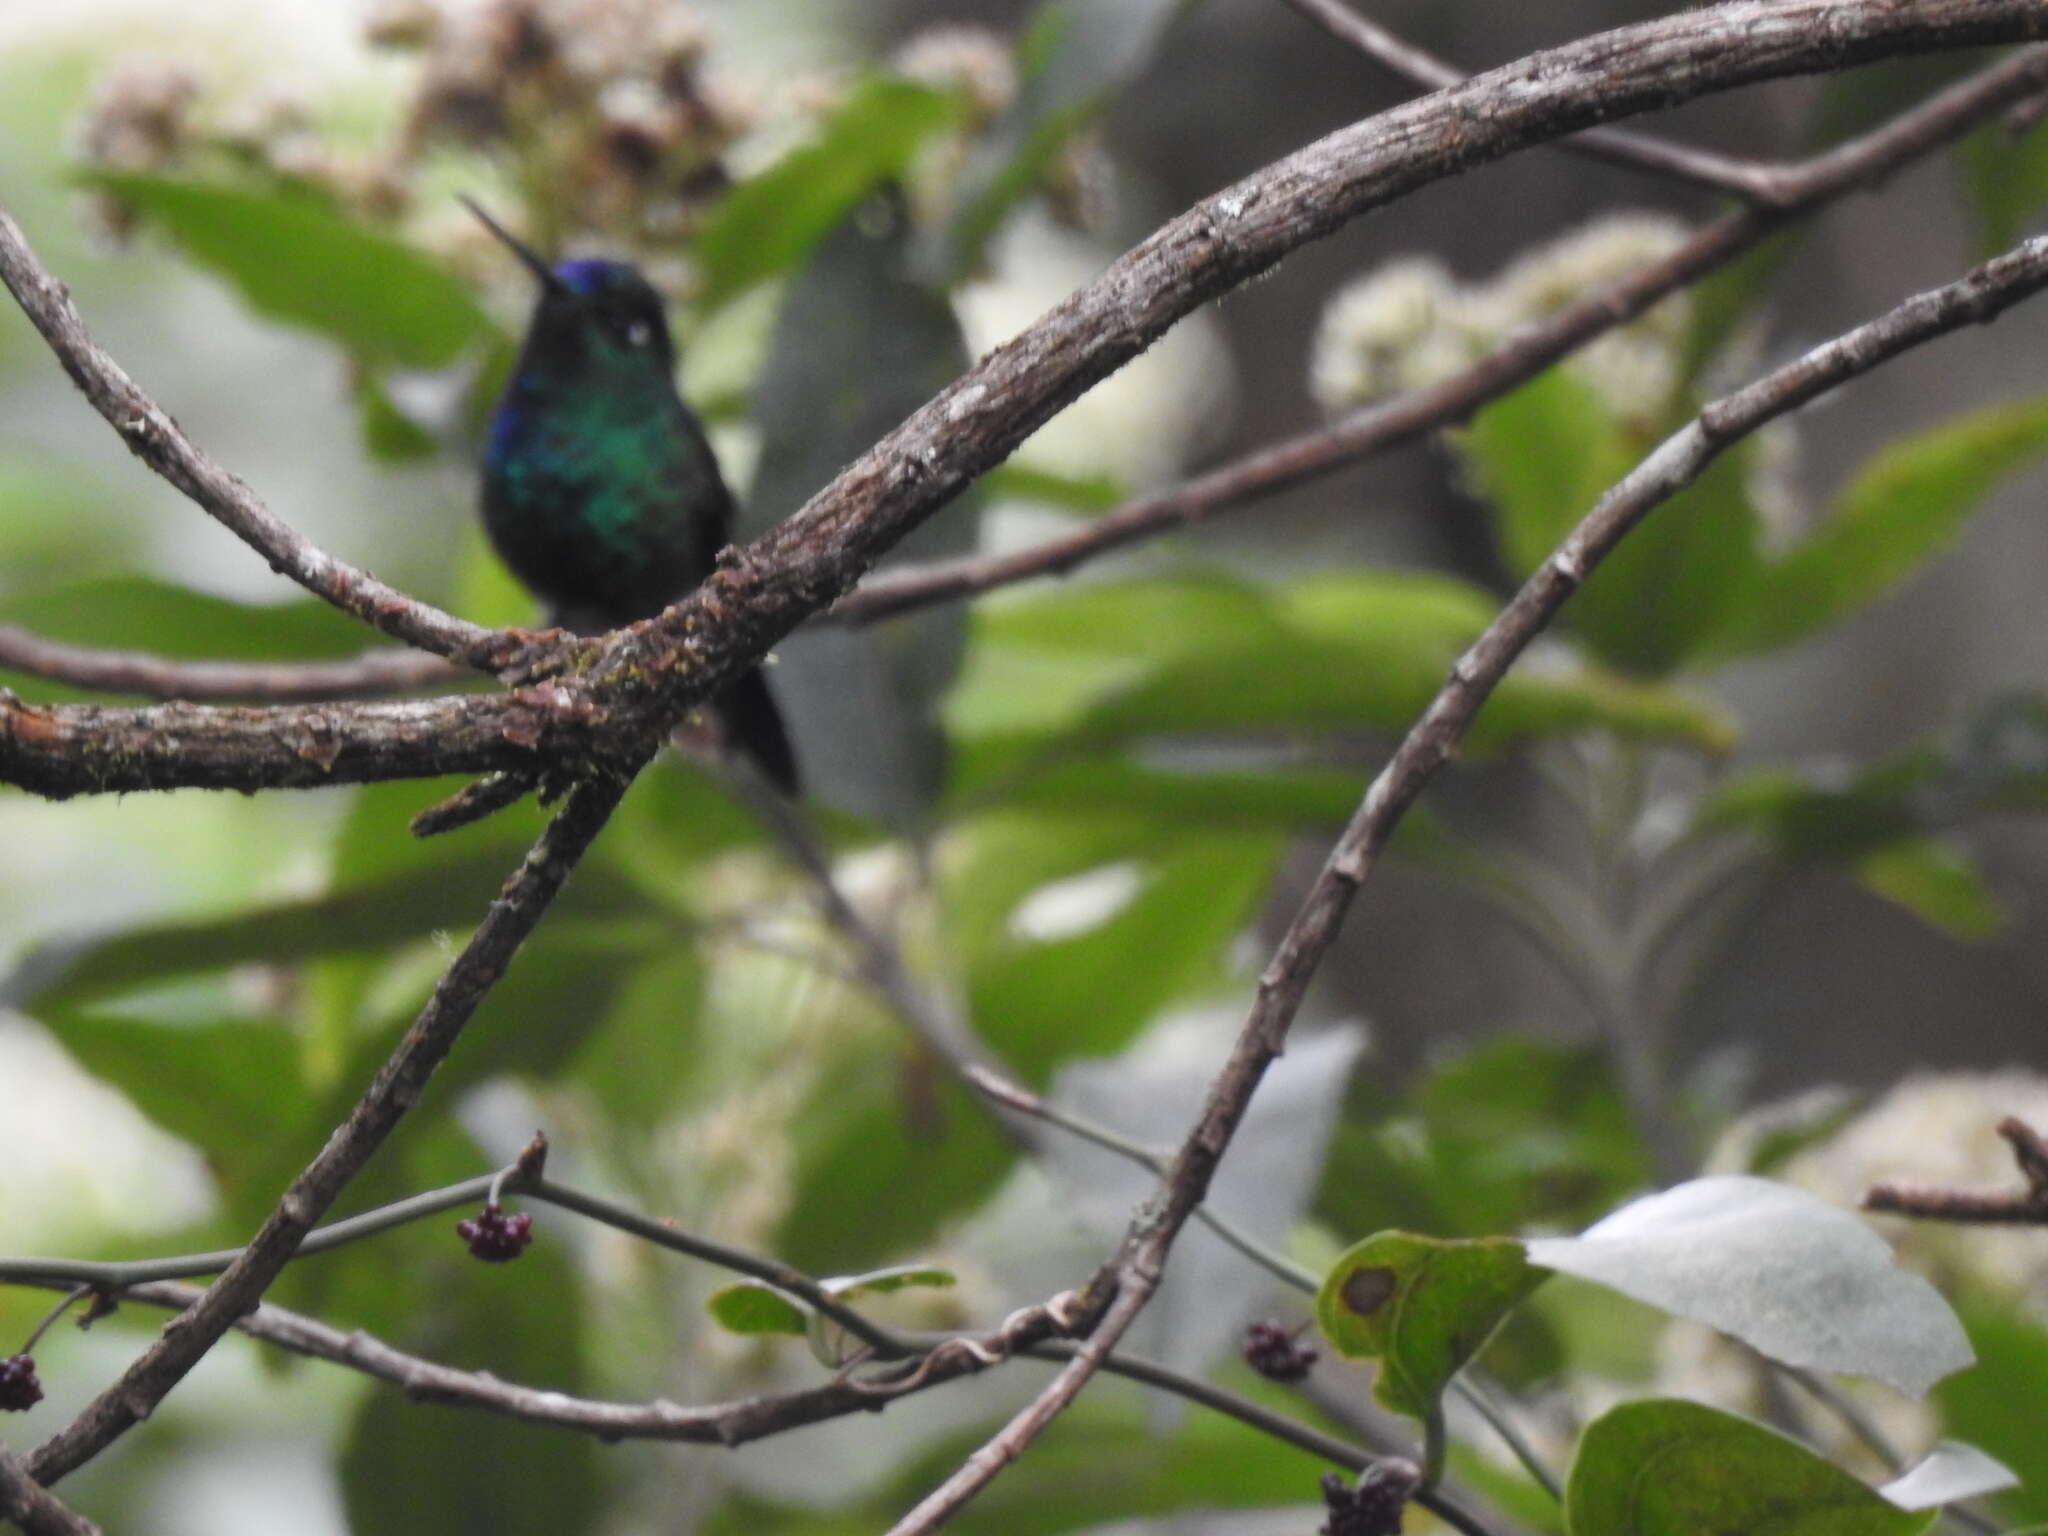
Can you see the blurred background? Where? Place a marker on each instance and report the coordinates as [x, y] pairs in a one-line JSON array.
[[1810, 977]]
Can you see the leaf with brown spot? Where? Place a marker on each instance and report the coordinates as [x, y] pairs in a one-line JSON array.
[[1422, 1307]]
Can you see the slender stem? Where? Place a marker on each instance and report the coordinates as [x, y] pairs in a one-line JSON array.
[[1021, 1099], [397, 1087], [1806, 186], [223, 682], [115, 1275], [1502, 1424], [50, 1317], [1130, 1278], [1749, 180], [159, 442]]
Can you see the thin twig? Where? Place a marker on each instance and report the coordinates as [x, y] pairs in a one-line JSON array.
[[1015, 1096], [719, 1424], [151, 676], [1133, 1274], [396, 1088], [1752, 181], [2023, 1207], [1502, 1423], [641, 679], [878, 960], [1388, 424], [153, 437]]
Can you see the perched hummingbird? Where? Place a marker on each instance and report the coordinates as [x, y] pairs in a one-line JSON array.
[[599, 489]]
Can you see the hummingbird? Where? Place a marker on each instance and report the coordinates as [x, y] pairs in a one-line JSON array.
[[600, 490]]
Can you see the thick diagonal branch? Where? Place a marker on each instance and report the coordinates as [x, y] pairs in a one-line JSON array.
[[1746, 179], [1387, 424], [1225, 240], [766, 590]]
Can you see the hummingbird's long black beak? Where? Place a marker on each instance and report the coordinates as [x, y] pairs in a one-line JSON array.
[[518, 247]]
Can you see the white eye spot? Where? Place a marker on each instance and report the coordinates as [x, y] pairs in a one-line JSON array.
[[639, 333]]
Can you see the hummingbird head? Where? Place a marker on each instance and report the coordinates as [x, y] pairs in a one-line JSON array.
[[602, 311]]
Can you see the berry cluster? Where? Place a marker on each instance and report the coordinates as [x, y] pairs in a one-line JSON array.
[[1277, 1354], [1374, 1507], [19, 1389], [494, 1236]]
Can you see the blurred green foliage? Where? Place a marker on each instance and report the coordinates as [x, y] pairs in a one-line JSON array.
[[687, 1028]]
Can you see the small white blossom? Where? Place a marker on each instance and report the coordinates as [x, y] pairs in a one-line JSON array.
[[1388, 331]]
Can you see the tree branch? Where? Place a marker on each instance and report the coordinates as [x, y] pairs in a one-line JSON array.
[[1134, 1273], [728, 1424], [1858, 163], [397, 1087], [153, 437], [33, 1507], [61, 750], [764, 591], [2022, 1207], [1749, 180], [813, 557], [224, 682]]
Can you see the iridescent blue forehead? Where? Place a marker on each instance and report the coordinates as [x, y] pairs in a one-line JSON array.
[[588, 277]]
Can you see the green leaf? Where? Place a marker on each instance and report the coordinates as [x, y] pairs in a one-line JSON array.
[[1038, 1002], [291, 258], [230, 1087], [858, 346], [1670, 1468], [1205, 655], [368, 917], [1938, 883], [1904, 506], [1104, 1463], [749, 1307], [1546, 454], [139, 613], [59, 522], [411, 1469], [1086, 494], [388, 433], [1977, 1405], [770, 222], [1422, 1307], [1542, 456], [1118, 787], [2007, 181], [1839, 822], [1518, 1132], [888, 1146], [1076, 56], [833, 1345]]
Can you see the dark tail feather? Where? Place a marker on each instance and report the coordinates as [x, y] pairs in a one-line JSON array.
[[754, 724]]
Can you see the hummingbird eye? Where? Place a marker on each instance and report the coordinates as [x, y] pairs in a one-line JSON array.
[[638, 333]]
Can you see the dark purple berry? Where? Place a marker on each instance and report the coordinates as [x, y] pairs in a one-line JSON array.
[[1373, 1508], [1275, 1353], [494, 1236], [19, 1389]]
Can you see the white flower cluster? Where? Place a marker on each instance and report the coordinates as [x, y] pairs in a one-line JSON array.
[[1411, 323]]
